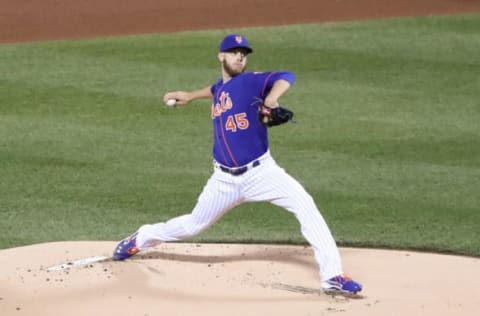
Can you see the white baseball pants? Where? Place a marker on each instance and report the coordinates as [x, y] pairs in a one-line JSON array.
[[265, 182]]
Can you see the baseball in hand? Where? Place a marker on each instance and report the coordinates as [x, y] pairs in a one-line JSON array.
[[171, 102]]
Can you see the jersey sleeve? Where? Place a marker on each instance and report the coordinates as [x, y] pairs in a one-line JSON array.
[[272, 77]]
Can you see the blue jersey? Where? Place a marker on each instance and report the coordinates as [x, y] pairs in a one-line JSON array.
[[239, 136]]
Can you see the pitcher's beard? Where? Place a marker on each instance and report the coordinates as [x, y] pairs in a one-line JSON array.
[[230, 71]]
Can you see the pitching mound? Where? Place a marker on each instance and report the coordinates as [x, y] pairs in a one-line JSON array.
[[220, 279]]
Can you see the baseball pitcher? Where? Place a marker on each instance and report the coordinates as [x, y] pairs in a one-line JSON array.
[[244, 106]]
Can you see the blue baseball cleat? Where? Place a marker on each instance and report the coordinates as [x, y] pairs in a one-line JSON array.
[[126, 248], [341, 284]]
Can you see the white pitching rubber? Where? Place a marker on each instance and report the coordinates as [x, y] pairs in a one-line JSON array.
[[77, 263]]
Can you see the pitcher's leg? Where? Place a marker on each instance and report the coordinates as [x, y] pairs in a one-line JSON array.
[[275, 185], [215, 200], [316, 232]]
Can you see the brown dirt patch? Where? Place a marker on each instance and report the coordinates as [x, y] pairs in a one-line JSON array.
[[32, 20]]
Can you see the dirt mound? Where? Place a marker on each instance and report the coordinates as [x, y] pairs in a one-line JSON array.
[[227, 279]]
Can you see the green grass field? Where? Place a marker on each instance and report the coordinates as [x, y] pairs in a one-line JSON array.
[[387, 139]]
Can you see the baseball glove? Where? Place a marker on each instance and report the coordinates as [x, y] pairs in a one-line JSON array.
[[273, 117]]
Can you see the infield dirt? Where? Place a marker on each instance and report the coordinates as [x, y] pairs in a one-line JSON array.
[[33, 20], [219, 279]]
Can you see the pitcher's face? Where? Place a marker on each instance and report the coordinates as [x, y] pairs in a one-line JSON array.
[[234, 61]]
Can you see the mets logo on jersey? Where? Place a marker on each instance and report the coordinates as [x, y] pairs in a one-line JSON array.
[[223, 104]]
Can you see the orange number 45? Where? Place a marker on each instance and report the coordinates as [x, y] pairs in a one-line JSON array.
[[239, 121]]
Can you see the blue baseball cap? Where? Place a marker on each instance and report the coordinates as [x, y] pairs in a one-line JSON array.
[[234, 41]]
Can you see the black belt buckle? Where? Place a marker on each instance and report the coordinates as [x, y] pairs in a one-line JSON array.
[[239, 171], [234, 172]]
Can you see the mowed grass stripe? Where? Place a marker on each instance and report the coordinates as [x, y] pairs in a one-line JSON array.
[[386, 139]]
